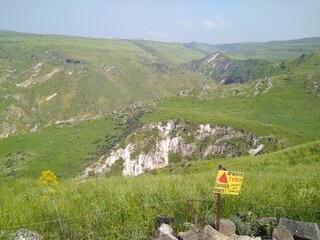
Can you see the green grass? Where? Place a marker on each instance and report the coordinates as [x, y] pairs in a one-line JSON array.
[[283, 184], [65, 149], [289, 111], [109, 74], [272, 50]]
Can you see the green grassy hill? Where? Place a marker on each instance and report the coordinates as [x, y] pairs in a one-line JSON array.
[[47, 78], [288, 111], [282, 184], [110, 88], [279, 50], [273, 50]]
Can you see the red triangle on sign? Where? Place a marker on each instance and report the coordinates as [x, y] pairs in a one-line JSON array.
[[223, 178]]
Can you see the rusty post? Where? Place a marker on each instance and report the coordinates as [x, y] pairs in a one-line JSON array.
[[218, 207], [195, 213]]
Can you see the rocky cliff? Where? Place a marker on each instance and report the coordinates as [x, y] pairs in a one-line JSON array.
[[222, 69], [156, 144]]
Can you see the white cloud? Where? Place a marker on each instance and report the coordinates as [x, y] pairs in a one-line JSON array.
[[154, 34], [218, 22], [185, 23], [222, 22], [209, 24]]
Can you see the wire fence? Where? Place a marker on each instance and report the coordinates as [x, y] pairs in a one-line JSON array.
[[210, 200], [205, 198], [282, 176]]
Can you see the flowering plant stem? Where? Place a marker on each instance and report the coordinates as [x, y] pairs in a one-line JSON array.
[[56, 208]]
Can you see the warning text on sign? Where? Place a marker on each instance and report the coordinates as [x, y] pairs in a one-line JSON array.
[[228, 182]]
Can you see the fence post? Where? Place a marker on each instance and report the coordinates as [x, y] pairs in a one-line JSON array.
[[218, 207]]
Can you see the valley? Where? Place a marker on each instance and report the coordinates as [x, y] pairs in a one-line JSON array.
[[132, 128]]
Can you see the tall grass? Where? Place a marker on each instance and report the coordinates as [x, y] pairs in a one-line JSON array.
[[284, 184]]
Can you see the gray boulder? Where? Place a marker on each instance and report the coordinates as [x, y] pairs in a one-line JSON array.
[[244, 214], [207, 233], [246, 238], [227, 227], [164, 232], [24, 234], [281, 233], [302, 230], [162, 219], [266, 220]]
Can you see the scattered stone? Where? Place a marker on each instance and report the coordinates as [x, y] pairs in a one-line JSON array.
[[72, 61], [184, 93], [303, 230], [281, 233], [266, 220], [247, 238], [162, 219], [207, 233], [227, 227], [244, 214], [266, 225], [24, 234], [164, 232]]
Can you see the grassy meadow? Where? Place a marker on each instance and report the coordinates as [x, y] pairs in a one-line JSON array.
[[282, 184]]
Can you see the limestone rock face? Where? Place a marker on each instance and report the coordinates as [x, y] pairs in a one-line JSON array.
[[152, 146], [13, 120]]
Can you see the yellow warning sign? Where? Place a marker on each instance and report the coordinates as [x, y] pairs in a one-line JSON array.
[[228, 182]]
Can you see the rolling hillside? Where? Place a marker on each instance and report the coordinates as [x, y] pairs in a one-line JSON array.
[[45, 79], [274, 50], [69, 103], [75, 99]]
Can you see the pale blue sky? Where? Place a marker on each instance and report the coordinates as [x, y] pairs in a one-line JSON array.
[[209, 21]]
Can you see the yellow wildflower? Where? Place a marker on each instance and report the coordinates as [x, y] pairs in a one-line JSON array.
[[48, 178], [53, 191], [48, 181], [44, 197]]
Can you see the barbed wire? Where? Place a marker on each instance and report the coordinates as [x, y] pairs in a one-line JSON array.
[[281, 176], [98, 213], [195, 198], [199, 198]]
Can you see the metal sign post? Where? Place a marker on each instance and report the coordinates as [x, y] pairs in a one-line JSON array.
[[227, 182], [218, 207]]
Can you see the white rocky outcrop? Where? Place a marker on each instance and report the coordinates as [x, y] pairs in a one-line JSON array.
[[219, 141], [14, 121], [34, 79], [255, 151], [51, 96]]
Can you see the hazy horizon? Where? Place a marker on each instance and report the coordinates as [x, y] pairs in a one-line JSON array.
[[212, 22]]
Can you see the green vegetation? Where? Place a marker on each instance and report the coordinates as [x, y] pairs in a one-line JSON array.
[[289, 110], [105, 89], [64, 149], [48, 78], [279, 184], [272, 50], [221, 68], [279, 50]]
